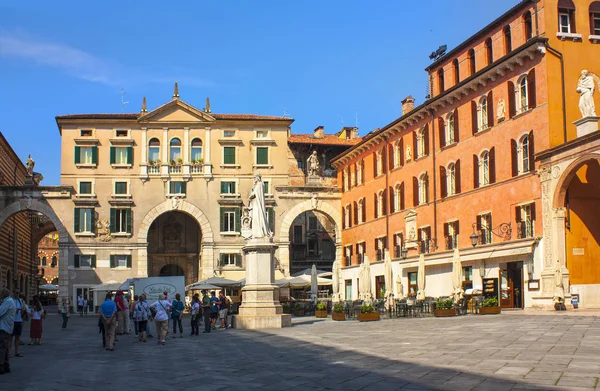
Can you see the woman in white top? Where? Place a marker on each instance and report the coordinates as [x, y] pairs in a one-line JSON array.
[[141, 314], [37, 313], [195, 311], [163, 308]]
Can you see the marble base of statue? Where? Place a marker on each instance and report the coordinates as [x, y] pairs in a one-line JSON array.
[[260, 307], [587, 125], [314, 180]]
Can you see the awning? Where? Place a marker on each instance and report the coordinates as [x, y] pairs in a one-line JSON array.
[[107, 286], [48, 287], [216, 281], [308, 271]]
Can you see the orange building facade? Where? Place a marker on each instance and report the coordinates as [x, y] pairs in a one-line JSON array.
[[458, 176]]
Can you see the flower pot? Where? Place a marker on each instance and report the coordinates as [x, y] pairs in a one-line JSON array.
[[299, 312], [338, 316], [370, 317], [321, 314], [489, 310], [444, 312]]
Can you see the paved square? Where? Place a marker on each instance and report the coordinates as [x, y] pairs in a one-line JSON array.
[[509, 351]]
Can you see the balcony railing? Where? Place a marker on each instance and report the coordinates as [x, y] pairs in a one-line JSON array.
[[451, 242], [175, 170], [525, 229], [196, 169], [154, 170]]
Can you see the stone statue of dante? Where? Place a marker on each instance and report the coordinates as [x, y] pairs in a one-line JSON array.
[[559, 290], [258, 211], [30, 164], [586, 87], [312, 165]]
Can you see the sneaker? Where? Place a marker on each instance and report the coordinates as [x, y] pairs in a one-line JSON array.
[[180, 336]]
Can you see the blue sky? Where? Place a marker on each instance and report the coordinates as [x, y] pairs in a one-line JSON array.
[[323, 62]]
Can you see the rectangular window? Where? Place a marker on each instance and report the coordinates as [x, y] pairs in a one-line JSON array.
[[467, 276], [122, 261], [380, 247], [596, 24], [85, 188], [301, 164], [564, 18], [230, 260], [229, 133], [485, 227], [525, 220], [266, 187], [262, 134], [262, 155], [177, 187], [425, 240], [84, 220], [85, 133], [85, 155], [85, 261], [451, 235], [228, 187], [312, 222], [230, 219], [348, 255], [121, 188], [122, 133], [228, 155], [298, 234], [412, 282], [312, 246], [120, 155], [398, 244], [153, 154], [120, 221]]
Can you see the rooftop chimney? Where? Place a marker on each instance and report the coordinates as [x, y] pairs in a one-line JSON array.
[[408, 104], [319, 132]]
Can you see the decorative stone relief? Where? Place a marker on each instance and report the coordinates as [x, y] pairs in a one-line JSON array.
[[410, 222], [501, 110], [547, 221], [103, 230], [408, 153]]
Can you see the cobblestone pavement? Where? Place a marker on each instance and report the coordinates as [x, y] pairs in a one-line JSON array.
[[503, 352]]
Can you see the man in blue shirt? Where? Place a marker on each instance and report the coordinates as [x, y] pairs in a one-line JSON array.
[[108, 314], [214, 309], [7, 318]]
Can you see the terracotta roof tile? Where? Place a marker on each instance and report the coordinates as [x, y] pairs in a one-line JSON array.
[[329, 139]]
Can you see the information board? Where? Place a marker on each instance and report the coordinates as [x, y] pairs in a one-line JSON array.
[[490, 288]]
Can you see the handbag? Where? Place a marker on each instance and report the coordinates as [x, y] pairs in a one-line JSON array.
[[24, 313]]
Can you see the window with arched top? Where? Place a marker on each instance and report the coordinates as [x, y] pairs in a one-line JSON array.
[[398, 154], [451, 179], [440, 75], [507, 40], [489, 51], [472, 64], [347, 216], [380, 203], [361, 212], [421, 138], [175, 150], [522, 95], [484, 168], [398, 198], [423, 184], [43, 261], [456, 70], [196, 151], [482, 113], [566, 17], [450, 128], [54, 261], [153, 150], [528, 25], [595, 18]]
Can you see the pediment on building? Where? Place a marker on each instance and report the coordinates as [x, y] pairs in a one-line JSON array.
[[176, 111]]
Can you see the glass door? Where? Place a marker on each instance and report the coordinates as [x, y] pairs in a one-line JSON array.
[[348, 289], [506, 292]]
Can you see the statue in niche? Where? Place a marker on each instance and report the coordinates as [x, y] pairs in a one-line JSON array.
[[586, 87], [408, 153], [103, 230], [501, 111], [258, 212], [30, 164], [312, 165]]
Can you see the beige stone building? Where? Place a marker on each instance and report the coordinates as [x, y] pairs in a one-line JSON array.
[[160, 192]]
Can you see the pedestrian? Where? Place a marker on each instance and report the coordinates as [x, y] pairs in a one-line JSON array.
[[163, 308], [20, 316], [214, 309], [177, 307], [126, 329], [224, 309], [102, 331], [108, 314], [120, 312], [80, 304], [86, 305], [141, 314], [131, 311], [206, 311], [38, 314], [64, 311], [195, 312], [8, 310]]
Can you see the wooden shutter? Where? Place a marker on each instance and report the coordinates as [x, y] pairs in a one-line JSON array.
[[443, 187], [426, 137], [183, 187], [475, 171], [518, 215], [77, 155], [402, 196], [364, 210], [442, 132], [401, 151], [512, 108], [456, 126], [490, 108], [113, 261], [223, 187], [355, 214], [92, 219], [222, 259], [532, 205], [238, 221], [514, 157], [271, 217], [130, 155], [384, 207], [391, 157], [457, 176], [129, 261], [415, 191], [238, 260], [113, 220], [474, 122], [262, 155], [113, 153], [93, 261], [492, 164], [446, 230], [375, 208], [222, 219], [76, 220], [129, 220], [531, 89], [76, 262], [392, 199], [531, 152], [415, 147], [94, 155]]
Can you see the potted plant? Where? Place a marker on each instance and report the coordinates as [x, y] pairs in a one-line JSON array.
[[299, 309], [287, 308], [321, 311], [444, 307], [367, 313], [338, 312], [179, 161], [489, 306], [172, 162]]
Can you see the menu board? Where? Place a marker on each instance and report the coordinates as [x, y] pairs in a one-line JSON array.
[[490, 288]]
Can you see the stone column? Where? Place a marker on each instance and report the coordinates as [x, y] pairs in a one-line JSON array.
[[142, 262], [207, 153], [186, 152], [164, 171], [63, 271], [144, 165]]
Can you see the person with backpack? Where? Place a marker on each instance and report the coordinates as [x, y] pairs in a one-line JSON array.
[[162, 308], [141, 315], [177, 307], [21, 315]]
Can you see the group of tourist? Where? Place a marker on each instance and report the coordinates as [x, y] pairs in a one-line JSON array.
[[13, 312]]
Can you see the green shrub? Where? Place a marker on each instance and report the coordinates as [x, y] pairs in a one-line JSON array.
[[338, 308], [287, 308], [490, 302], [366, 309], [321, 307], [444, 304], [298, 307]]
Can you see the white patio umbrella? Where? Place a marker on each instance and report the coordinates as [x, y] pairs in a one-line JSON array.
[[313, 283], [399, 286], [335, 280], [320, 273], [457, 275], [388, 277], [365, 280], [421, 278], [217, 281]]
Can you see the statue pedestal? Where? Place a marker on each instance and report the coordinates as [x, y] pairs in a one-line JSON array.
[[586, 125], [260, 297], [313, 180]]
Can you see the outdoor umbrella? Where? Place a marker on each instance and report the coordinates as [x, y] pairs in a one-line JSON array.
[[320, 273], [48, 287], [335, 280], [201, 286], [365, 280], [421, 278], [108, 286], [399, 287], [313, 283], [216, 281], [388, 277], [457, 275]]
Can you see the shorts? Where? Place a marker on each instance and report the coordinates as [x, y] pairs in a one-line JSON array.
[[214, 315], [17, 329], [223, 313]]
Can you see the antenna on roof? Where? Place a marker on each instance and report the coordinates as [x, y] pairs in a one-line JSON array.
[[356, 119], [284, 112], [342, 119], [438, 53], [123, 102]]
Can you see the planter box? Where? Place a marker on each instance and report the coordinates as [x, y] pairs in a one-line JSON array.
[[299, 312], [338, 316], [321, 314], [444, 312], [373, 316], [489, 310]]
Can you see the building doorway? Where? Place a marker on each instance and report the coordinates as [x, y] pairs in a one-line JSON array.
[[171, 270], [511, 282], [312, 241]]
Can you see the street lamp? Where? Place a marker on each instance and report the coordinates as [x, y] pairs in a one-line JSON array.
[[474, 236], [403, 252]]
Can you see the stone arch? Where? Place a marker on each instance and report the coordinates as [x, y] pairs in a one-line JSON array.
[[37, 205], [565, 179], [308, 205]]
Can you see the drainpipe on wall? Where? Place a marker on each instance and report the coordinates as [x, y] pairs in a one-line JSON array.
[[562, 78], [434, 176], [387, 199]]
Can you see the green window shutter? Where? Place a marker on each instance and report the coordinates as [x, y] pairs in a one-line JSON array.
[[129, 221], [238, 260], [171, 188], [223, 187], [113, 261], [222, 214], [113, 220], [76, 260], [130, 155], [222, 260], [183, 187], [228, 155], [77, 226], [93, 220], [233, 191], [238, 221], [271, 217], [93, 261], [112, 155], [262, 155], [266, 187], [94, 155], [129, 261], [77, 155]]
